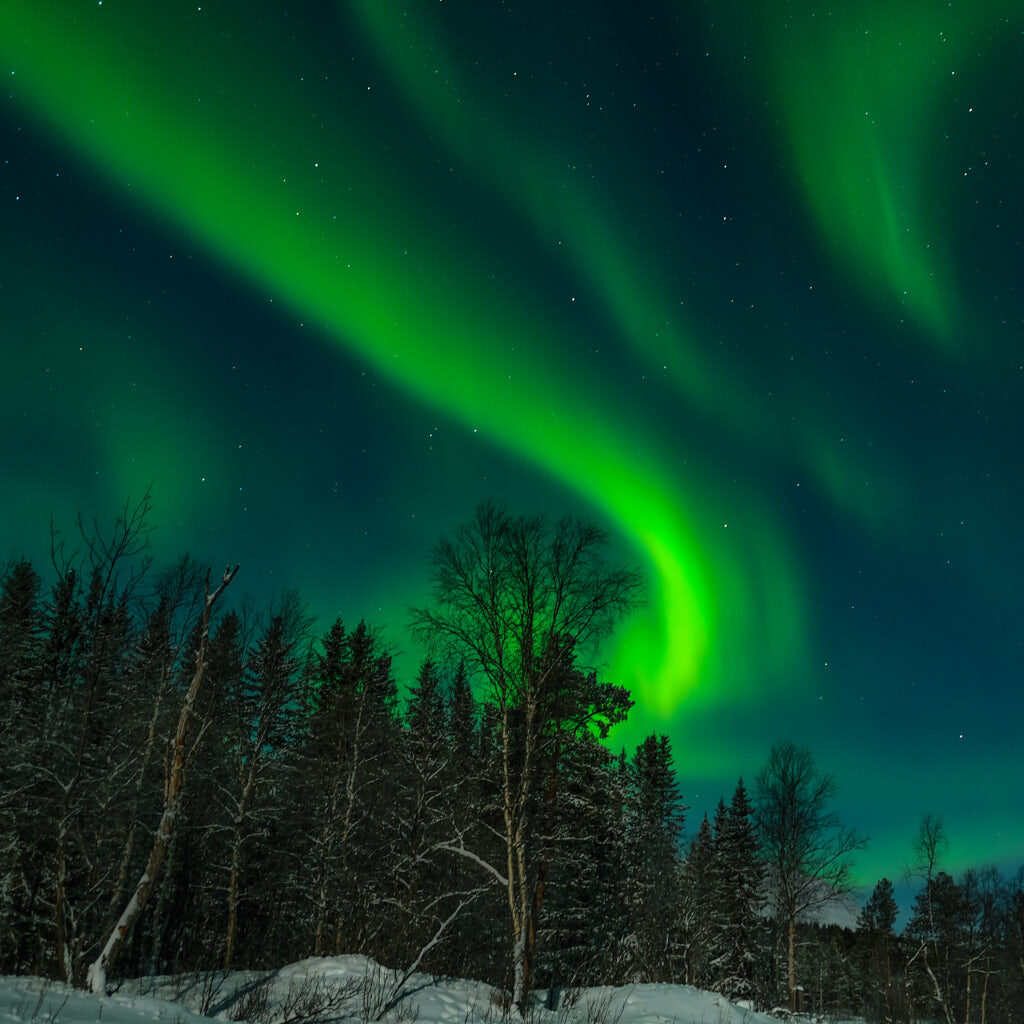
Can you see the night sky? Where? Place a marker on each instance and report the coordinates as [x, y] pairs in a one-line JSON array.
[[742, 282]]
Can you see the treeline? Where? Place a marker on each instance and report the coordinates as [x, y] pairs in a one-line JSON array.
[[959, 957], [477, 827]]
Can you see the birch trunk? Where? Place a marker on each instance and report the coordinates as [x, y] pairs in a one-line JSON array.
[[96, 977], [967, 1007], [61, 944], [791, 975], [234, 879], [133, 827]]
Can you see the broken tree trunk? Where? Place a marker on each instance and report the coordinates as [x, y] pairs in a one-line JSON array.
[[96, 978]]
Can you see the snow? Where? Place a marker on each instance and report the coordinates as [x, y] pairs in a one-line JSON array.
[[366, 988]]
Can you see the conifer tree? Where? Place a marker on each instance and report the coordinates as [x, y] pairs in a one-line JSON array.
[[738, 898], [22, 707], [58, 662], [88, 770], [584, 921], [876, 925], [21, 626], [426, 904], [425, 711], [698, 886], [45, 760], [472, 810], [374, 787], [63, 622], [264, 713], [655, 817], [352, 743]]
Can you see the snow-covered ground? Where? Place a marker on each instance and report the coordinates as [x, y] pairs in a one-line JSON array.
[[350, 989]]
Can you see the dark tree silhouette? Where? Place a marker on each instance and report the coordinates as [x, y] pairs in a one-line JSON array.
[[807, 853], [515, 598]]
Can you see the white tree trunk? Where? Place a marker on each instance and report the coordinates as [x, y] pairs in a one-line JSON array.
[[96, 976]]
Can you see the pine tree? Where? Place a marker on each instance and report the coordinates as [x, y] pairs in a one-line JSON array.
[[462, 722], [737, 899], [876, 925], [352, 741], [472, 810], [373, 791], [426, 907], [826, 971], [93, 770], [655, 817], [324, 771], [20, 698], [584, 920], [63, 619], [265, 716], [48, 776], [426, 709], [697, 901], [21, 626]]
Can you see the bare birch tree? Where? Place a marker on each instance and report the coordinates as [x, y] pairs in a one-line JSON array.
[[514, 598], [75, 741], [808, 854], [96, 978]]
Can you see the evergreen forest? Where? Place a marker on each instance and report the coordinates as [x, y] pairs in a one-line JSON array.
[[190, 784]]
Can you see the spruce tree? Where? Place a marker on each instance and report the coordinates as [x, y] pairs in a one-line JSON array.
[[737, 901], [584, 921], [471, 807], [698, 887], [265, 716], [21, 627], [352, 742], [427, 906], [22, 706], [876, 925], [655, 817]]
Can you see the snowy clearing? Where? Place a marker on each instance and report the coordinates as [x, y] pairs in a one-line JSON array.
[[350, 989]]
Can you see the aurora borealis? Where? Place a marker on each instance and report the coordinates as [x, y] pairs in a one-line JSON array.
[[744, 286]]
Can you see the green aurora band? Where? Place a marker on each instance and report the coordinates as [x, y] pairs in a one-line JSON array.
[[226, 182], [545, 183], [289, 180], [861, 91]]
